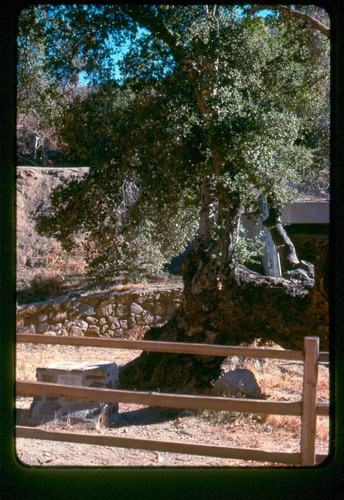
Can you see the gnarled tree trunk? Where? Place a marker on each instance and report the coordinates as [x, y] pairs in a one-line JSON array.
[[225, 303]]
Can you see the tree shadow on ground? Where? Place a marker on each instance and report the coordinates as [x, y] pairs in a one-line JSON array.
[[145, 416], [142, 416]]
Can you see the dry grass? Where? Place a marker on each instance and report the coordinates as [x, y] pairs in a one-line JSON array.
[[279, 380]]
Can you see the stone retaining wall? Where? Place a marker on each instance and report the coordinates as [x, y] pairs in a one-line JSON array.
[[114, 314]]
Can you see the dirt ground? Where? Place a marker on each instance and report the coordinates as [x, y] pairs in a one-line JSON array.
[[279, 380]]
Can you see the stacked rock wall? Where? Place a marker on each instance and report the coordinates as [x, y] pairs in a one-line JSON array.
[[114, 314]]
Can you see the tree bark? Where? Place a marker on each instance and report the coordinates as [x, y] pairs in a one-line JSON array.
[[284, 245], [289, 11]]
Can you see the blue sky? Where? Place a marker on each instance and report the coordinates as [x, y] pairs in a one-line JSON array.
[[116, 57], [83, 76]]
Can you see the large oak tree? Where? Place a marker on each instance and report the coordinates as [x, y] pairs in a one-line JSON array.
[[215, 110]]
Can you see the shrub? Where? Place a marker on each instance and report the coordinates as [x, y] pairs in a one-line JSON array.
[[47, 282]]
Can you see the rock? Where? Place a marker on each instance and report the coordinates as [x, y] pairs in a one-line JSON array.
[[82, 324], [73, 314], [138, 319], [104, 328], [132, 321], [42, 327], [148, 317], [31, 309], [104, 310], [135, 308], [68, 324], [75, 331], [61, 316], [90, 417], [122, 311], [68, 305], [121, 298], [239, 380], [143, 297], [56, 327], [19, 323], [91, 321], [232, 363], [86, 310], [92, 331], [29, 329], [115, 324]]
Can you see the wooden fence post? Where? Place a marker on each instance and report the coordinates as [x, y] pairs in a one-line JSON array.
[[309, 400]]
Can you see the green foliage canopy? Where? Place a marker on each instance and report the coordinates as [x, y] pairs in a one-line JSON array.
[[218, 97]]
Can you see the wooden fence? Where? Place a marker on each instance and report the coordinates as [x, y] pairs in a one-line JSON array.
[[308, 408]]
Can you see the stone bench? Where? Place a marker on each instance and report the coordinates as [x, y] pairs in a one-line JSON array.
[[98, 374]]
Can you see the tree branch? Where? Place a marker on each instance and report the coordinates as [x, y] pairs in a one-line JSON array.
[[289, 11], [217, 21], [152, 23]]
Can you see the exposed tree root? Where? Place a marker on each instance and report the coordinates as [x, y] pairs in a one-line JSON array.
[[244, 307]]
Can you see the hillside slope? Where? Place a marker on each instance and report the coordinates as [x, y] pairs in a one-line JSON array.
[[36, 281], [34, 185]]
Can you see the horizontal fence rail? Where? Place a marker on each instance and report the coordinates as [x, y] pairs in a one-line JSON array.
[[307, 409], [171, 347], [166, 347], [164, 400], [323, 410], [167, 446]]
